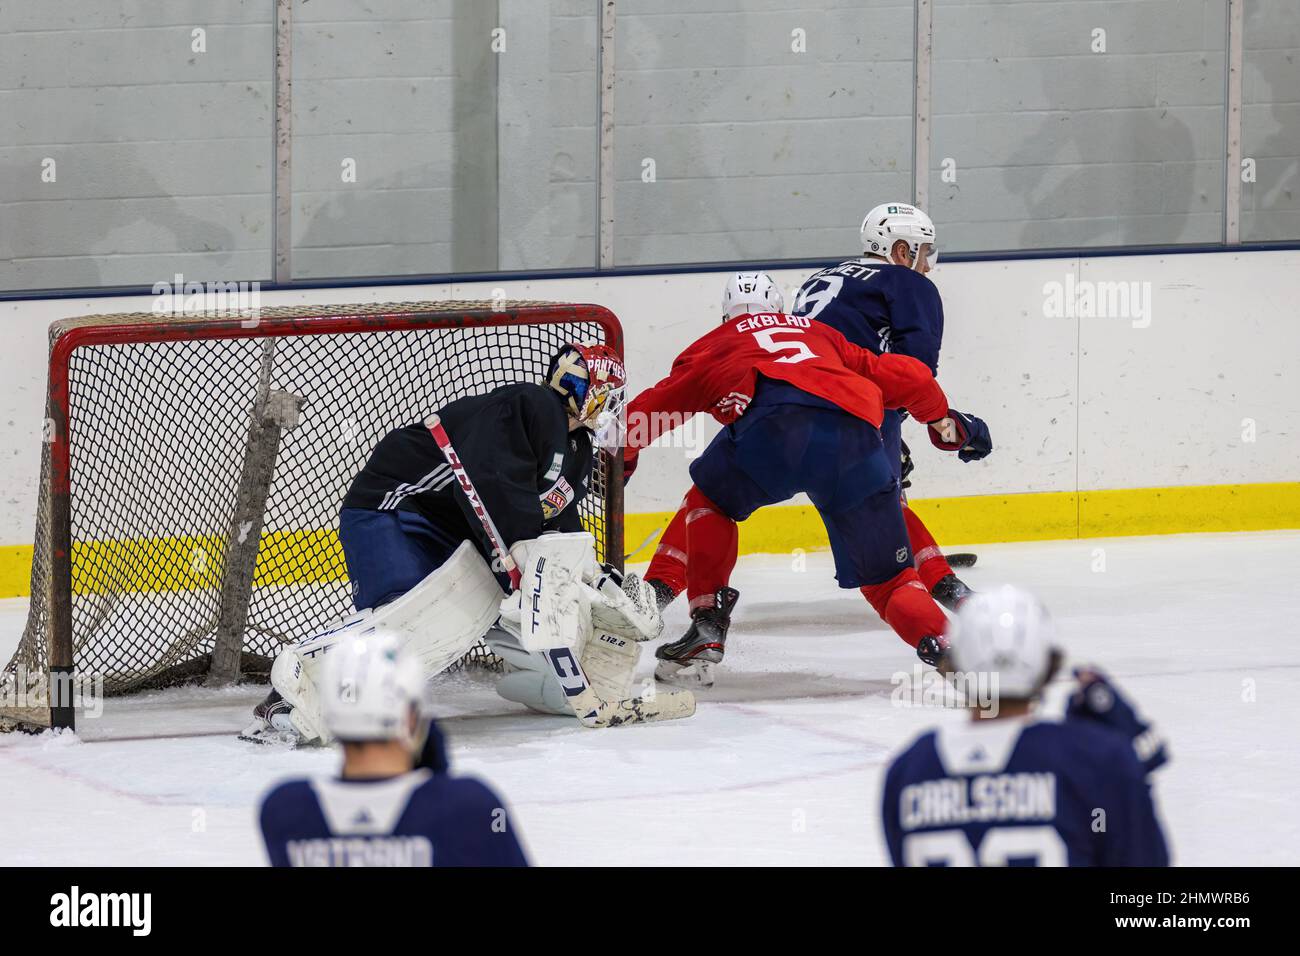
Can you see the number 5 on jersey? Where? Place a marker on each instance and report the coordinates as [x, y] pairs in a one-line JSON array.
[[798, 349]]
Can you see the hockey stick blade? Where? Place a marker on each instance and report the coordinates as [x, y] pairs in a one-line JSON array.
[[962, 559], [661, 705]]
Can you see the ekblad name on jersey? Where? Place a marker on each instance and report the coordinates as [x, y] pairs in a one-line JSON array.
[[877, 305]]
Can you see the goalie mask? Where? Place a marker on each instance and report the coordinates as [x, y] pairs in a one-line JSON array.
[[890, 222], [591, 380]]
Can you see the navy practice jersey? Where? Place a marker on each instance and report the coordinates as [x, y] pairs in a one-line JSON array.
[[877, 305], [420, 818], [515, 444], [1015, 792]]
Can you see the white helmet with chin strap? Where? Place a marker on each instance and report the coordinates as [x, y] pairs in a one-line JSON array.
[[750, 292], [892, 221], [372, 682]]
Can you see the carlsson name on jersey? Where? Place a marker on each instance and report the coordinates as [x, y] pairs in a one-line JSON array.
[[767, 320], [982, 799], [133, 910]]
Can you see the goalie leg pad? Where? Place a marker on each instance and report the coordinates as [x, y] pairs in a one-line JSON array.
[[552, 607], [556, 682], [440, 619], [609, 662]]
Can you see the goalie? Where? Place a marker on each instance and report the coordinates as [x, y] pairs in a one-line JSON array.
[[424, 528]]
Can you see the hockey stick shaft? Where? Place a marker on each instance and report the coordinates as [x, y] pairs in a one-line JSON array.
[[434, 424]]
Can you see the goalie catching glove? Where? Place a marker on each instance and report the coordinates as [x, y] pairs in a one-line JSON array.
[[572, 636]]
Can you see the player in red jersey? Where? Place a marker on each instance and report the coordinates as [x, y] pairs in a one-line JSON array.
[[802, 408]]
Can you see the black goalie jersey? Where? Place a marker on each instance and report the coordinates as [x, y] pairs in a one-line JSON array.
[[515, 443]]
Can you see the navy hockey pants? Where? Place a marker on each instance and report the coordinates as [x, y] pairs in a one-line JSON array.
[[776, 450], [390, 552]]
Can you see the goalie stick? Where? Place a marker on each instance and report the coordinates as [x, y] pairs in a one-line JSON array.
[[588, 706]]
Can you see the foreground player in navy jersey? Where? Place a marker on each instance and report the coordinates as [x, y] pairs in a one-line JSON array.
[[383, 809], [885, 301], [1008, 788]]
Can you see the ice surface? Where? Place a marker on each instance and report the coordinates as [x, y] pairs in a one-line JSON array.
[[782, 763]]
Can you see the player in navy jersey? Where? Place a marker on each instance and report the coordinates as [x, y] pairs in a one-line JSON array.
[[885, 302], [802, 408], [1009, 788], [383, 809]]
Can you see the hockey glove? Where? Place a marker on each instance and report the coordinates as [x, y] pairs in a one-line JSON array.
[[1100, 700], [962, 433]]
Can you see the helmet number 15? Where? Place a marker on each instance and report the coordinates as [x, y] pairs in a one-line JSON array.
[[798, 348]]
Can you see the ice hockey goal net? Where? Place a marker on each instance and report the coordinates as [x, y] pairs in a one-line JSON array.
[[193, 466]]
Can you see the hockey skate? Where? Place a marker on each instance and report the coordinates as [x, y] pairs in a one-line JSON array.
[[690, 661], [934, 651], [951, 591], [271, 723]]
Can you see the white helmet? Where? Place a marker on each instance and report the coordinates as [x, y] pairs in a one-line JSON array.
[[1006, 631], [891, 221], [371, 682], [750, 292]]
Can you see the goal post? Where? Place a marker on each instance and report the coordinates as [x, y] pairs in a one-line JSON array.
[[193, 467]]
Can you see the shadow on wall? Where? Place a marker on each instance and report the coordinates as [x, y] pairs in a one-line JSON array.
[[1051, 196], [68, 241], [1279, 80]]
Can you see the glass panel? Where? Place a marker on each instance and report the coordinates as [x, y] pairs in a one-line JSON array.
[[1270, 124], [752, 131], [135, 142], [452, 136], [1078, 124]]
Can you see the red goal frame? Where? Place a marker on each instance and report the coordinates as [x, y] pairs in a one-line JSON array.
[[69, 335]]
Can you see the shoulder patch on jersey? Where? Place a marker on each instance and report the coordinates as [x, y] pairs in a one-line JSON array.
[[556, 499]]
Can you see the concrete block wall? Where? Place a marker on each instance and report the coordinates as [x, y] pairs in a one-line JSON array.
[[760, 152], [1270, 122], [473, 161], [1057, 142], [162, 155]]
